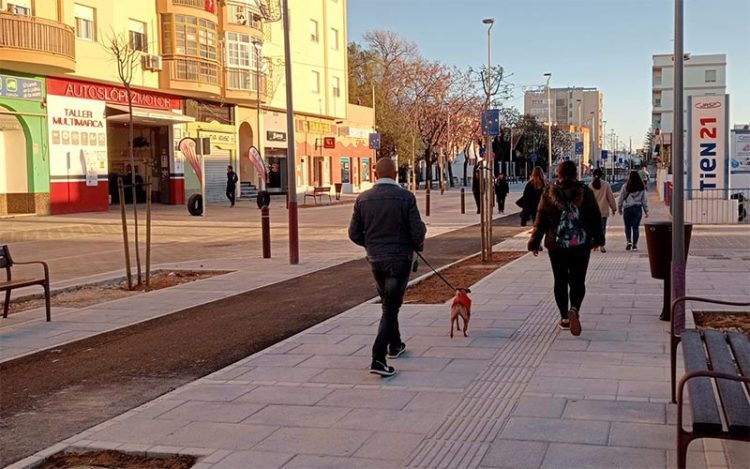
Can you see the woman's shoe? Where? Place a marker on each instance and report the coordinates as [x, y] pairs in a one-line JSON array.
[[602, 249], [629, 246]]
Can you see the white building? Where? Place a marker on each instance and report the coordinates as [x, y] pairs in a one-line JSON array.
[[573, 106], [703, 75]]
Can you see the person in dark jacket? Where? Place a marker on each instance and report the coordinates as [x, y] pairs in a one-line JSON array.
[[387, 223], [231, 184], [476, 185], [569, 220], [501, 191], [532, 193]]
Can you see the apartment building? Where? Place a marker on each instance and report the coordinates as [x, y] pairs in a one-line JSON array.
[[703, 75], [204, 69], [576, 107]]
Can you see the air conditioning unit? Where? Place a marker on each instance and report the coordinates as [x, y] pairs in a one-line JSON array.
[[156, 63], [152, 62]]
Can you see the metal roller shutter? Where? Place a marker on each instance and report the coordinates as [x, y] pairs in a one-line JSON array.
[[216, 175]]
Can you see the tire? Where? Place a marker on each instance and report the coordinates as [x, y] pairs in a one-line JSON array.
[[195, 205]]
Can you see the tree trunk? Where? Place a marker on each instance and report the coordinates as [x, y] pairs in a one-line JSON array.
[[466, 164], [132, 182], [428, 168], [450, 175]]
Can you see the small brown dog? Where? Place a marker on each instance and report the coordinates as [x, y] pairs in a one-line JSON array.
[[461, 307]]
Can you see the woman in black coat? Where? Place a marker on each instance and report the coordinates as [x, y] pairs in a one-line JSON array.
[[532, 193], [475, 184], [501, 191]]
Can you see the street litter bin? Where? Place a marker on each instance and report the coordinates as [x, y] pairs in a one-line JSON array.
[[338, 186], [659, 241]]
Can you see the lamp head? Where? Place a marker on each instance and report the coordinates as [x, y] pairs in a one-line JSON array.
[[547, 74], [488, 21]]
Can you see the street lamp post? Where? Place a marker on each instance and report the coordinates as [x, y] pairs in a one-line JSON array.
[[486, 180], [549, 128], [290, 158], [258, 47], [678, 173], [580, 135]]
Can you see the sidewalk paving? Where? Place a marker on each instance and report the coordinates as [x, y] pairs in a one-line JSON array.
[[516, 393], [325, 244]]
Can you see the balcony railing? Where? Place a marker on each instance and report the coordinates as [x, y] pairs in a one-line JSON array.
[[199, 4], [193, 69], [245, 80], [36, 34]]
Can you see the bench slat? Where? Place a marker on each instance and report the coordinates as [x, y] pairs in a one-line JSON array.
[[733, 399], [20, 283], [741, 348], [706, 418]]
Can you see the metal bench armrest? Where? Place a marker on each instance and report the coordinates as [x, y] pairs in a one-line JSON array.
[[699, 299], [705, 374], [43, 264]]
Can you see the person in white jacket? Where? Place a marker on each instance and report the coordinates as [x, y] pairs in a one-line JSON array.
[[604, 198], [632, 205]]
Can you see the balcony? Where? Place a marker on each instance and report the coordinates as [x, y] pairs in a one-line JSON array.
[[242, 85], [199, 4], [192, 75], [240, 17], [36, 45]]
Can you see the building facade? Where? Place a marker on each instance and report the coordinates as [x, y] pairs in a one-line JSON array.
[[574, 106], [703, 75]]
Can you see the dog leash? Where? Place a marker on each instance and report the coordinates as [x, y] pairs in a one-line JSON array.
[[440, 276]]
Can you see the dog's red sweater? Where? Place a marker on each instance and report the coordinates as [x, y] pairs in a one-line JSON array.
[[463, 299]]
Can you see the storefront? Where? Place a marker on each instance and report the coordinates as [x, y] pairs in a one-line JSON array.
[[275, 150], [24, 168], [89, 135], [314, 160], [215, 122]]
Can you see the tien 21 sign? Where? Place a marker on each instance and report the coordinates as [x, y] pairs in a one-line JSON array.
[[708, 145]]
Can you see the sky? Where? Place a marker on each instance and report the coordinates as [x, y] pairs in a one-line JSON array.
[[605, 44]]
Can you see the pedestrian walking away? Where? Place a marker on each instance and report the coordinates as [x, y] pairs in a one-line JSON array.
[[605, 199], [632, 205], [643, 173], [501, 191], [569, 220], [476, 188], [532, 194], [231, 184], [386, 221]]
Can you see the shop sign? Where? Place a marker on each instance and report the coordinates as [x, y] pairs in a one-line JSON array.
[[21, 88], [77, 138], [708, 163], [219, 139], [314, 127], [359, 133], [329, 142], [273, 136], [110, 94]]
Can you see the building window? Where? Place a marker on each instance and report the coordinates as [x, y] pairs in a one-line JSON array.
[[242, 14], [334, 39], [137, 35], [657, 102], [188, 35], [336, 87], [242, 60], [315, 82], [710, 76], [19, 7], [314, 31], [345, 171], [85, 25]]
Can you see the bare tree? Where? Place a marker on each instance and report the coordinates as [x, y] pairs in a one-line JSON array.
[[127, 59]]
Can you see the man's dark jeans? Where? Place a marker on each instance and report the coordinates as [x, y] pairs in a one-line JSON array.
[[230, 194], [391, 278], [569, 266]]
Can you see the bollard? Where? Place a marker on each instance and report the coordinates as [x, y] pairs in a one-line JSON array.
[[427, 204], [265, 228], [463, 201]]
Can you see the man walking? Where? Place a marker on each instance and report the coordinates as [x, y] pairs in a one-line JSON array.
[[231, 184], [501, 191], [387, 223]]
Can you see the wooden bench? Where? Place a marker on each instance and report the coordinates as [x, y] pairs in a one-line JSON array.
[[6, 262], [709, 356], [319, 192]]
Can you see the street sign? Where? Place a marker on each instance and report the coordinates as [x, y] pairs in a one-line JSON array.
[[491, 122], [605, 154], [579, 148], [374, 141], [533, 158]]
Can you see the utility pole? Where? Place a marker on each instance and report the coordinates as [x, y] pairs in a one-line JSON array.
[[290, 158], [258, 44], [678, 173], [580, 134], [486, 180]]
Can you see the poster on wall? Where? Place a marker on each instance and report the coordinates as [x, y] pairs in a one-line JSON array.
[[77, 138], [741, 151], [708, 145]]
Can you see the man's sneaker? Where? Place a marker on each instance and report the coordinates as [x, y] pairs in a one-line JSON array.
[[575, 323], [628, 247], [397, 351], [564, 325], [635, 248], [380, 368]]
